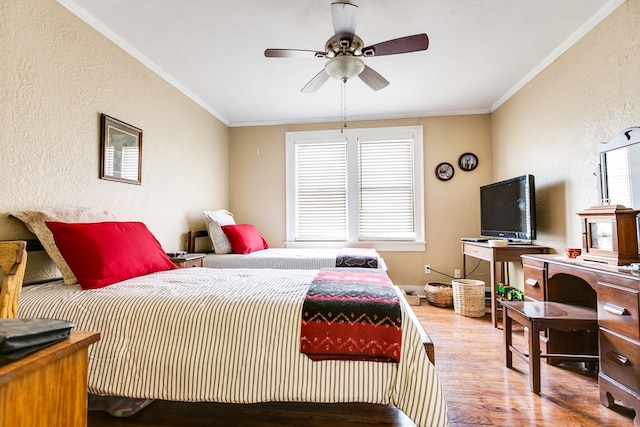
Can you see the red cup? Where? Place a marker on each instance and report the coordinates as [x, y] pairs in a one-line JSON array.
[[573, 252]]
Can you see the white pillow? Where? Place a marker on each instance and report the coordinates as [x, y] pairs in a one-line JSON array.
[[35, 222], [215, 221]]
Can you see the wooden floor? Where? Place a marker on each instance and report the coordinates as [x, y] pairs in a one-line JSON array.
[[480, 392]]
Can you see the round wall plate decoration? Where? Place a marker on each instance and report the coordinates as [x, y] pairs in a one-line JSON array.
[[444, 171], [468, 162]]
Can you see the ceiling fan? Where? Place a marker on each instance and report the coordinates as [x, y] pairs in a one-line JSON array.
[[344, 51]]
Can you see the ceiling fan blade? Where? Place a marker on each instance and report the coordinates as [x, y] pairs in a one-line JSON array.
[[373, 79], [293, 53], [402, 45], [344, 17], [316, 82]]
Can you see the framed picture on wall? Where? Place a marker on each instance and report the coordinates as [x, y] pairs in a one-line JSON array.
[[120, 151]]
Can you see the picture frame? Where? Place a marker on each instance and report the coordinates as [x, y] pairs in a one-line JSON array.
[[444, 171], [120, 151], [468, 162]]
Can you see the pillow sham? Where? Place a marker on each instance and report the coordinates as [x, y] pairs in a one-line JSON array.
[[244, 238], [215, 220], [103, 253], [35, 222]]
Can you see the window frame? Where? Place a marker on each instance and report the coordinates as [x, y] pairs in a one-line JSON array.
[[352, 138]]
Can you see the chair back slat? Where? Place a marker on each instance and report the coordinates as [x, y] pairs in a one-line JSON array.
[[13, 260]]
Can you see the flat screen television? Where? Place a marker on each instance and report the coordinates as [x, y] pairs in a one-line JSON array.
[[508, 209]]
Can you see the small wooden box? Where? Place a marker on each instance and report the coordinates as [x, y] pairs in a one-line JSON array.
[[413, 299]]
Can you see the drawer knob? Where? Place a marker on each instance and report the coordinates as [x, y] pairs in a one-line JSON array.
[[615, 309], [532, 282], [618, 358]]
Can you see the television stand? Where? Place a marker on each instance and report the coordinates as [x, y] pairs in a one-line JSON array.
[[495, 255]]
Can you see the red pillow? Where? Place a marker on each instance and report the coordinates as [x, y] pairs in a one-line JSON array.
[[103, 253], [244, 238]]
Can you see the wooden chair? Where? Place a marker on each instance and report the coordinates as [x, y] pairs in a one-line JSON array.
[[536, 316], [13, 260]]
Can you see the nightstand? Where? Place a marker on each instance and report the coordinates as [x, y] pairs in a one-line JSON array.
[[189, 260], [48, 387]]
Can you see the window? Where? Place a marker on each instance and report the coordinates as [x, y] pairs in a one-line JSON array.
[[356, 186]]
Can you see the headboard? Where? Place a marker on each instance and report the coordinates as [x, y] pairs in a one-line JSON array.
[[34, 245], [191, 239]]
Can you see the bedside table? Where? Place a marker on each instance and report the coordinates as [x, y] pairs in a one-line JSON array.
[[189, 260], [48, 387]]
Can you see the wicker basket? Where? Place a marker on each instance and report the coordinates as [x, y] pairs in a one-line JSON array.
[[439, 294], [468, 297]]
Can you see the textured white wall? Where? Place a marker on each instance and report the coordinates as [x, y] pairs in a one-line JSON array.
[[57, 75]]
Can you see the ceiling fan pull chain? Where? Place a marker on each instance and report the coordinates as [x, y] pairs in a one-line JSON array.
[[343, 103]]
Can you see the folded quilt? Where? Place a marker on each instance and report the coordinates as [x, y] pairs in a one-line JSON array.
[[351, 314], [357, 257]]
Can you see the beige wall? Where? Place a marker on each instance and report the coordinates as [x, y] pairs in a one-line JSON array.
[[57, 75], [257, 187], [553, 125], [550, 129]]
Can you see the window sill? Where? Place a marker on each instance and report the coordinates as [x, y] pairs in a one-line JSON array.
[[380, 246]]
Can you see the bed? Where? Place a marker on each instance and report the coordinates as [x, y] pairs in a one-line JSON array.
[[232, 336], [304, 259], [215, 335]]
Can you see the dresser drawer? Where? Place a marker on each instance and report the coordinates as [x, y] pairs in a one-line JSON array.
[[620, 359], [618, 309], [534, 282]]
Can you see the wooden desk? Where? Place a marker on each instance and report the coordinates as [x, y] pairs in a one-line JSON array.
[[49, 387], [615, 293], [495, 255]]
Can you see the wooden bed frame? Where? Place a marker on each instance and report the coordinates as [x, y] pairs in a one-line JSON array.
[[191, 239]]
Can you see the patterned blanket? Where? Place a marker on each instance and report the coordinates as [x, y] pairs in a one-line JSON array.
[[351, 314], [357, 257]]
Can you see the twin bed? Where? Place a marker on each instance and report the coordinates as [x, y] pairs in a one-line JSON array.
[[233, 336], [304, 259]]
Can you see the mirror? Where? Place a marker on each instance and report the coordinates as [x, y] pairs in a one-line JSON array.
[[120, 151], [620, 169]]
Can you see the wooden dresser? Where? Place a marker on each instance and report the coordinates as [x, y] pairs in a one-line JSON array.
[[49, 387], [615, 292]]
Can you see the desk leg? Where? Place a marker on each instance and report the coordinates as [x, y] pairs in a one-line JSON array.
[[494, 308], [534, 357], [507, 328], [464, 265]]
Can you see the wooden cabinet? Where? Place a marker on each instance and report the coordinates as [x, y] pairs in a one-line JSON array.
[[615, 292], [49, 387]]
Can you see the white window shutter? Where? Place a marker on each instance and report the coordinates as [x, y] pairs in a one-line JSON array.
[[321, 191], [386, 202]]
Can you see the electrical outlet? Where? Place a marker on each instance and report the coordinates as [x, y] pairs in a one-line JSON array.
[[427, 269], [456, 273]]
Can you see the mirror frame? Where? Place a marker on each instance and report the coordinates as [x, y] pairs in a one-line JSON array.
[[108, 125], [627, 137]]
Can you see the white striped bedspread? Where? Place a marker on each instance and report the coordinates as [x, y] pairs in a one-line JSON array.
[[209, 335], [288, 258]]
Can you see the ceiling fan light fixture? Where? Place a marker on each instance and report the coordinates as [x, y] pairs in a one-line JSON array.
[[344, 67]]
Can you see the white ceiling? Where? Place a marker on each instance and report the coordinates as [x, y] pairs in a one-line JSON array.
[[480, 53]]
